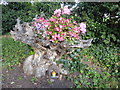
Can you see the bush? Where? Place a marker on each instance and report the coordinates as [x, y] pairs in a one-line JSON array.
[[104, 29], [13, 52], [102, 20], [105, 58], [26, 11]]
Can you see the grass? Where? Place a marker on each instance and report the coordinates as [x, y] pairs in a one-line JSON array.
[[14, 52]]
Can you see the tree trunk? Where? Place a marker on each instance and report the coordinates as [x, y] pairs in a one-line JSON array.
[[46, 52]]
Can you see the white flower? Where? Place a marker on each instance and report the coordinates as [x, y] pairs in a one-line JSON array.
[[3, 2], [32, 2]]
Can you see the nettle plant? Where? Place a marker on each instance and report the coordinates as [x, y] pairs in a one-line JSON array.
[[60, 27]]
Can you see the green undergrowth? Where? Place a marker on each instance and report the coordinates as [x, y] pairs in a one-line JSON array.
[[14, 52], [106, 58]]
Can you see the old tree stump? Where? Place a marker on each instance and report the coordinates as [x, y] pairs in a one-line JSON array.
[[46, 52]]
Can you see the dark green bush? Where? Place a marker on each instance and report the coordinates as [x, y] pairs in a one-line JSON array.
[[26, 11], [104, 57], [104, 29]]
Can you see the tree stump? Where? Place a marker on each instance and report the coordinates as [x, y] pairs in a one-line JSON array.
[[46, 52]]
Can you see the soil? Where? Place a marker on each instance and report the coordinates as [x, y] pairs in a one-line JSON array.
[[16, 78]]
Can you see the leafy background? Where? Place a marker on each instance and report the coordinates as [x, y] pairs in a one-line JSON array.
[[104, 52]]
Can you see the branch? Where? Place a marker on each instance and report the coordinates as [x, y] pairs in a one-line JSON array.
[[83, 44]]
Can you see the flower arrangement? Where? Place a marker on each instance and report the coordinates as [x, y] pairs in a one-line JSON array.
[[58, 28]]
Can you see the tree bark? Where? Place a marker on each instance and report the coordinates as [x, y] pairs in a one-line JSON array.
[[46, 52]]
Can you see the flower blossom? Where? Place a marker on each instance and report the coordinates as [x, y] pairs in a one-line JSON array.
[[60, 26], [66, 10], [41, 19], [82, 27], [46, 24], [57, 11], [52, 19], [48, 33], [60, 38]]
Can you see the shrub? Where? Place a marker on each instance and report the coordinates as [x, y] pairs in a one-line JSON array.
[[13, 52], [25, 10], [105, 58]]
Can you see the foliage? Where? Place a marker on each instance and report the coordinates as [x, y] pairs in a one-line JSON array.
[[33, 79], [13, 52], [26, 11], [104, 57], [58, 28], [102, 18], [102, 21]]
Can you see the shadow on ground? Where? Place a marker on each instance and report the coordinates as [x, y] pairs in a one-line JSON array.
[[15, 78]]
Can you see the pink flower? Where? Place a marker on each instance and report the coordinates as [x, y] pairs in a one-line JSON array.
[[64, 25], [67, 21], [60, 18], [58, 14], [55, 34], [83, 30], [38, 31], [48, 27], [77, 37], [57, 29], [57, 11], [63, 34], [74, 22], [46, 24], [78, 31], [60, 26], [52, 19], [56, 22], [62, 21], [40, 19], [69, 25], [60, 30], [61, 39], [58, 35], [52, 40], [71, 33], [48, 33], [82, 25], [75, 28], [66, 10], [54, 37]]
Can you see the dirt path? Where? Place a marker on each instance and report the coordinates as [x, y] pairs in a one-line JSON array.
[[17, 79]]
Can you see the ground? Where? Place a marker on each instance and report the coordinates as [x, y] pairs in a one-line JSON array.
[[16, 78]]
